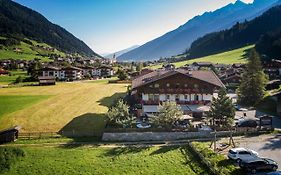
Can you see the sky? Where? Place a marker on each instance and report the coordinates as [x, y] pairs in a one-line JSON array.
[[108, 26]]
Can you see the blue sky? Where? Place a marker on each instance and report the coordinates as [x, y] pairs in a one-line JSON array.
[[111, 25]]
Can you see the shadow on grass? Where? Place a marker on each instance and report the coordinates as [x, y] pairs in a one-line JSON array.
[[109, 101], [246, 53], [125, 150], [85, 128], [193, 161], [164, 149]]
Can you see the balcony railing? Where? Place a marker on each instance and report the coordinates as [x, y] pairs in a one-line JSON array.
[[182, 91], [155, 102]]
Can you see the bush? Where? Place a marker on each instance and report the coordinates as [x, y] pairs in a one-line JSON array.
[[9, 156]]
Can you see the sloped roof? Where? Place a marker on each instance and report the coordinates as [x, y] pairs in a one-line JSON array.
[[206, 76]]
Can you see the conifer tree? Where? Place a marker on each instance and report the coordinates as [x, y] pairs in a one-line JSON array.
[[222, 111], [252, 87]]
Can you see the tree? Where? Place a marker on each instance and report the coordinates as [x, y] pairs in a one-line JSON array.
[[19, 79], [139, 67], [168, 114], [222, 111], [252, 87], [119, 114], [122, 75], [33, 69]]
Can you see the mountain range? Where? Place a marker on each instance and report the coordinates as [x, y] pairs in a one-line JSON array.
[[180, 39], [18, 22], [239, 35], [118, 53]]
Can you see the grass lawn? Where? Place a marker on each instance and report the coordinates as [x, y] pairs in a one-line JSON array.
[[98, 160], [230, 57], [70, 107], [12, 103]]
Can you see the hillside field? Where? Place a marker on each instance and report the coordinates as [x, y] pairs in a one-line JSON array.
[[8, 79], [27, 51], [75, 106], [230, 57], [102, 160]]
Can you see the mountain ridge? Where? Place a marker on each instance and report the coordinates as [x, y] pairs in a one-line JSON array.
[[239, 35], [20, 21], [180, 39]]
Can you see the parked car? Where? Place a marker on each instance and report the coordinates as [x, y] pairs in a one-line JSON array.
[[259, 164], [247, 123], [274, 173], [242, 154]]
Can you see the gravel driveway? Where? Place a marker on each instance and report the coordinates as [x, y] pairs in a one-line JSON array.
[[266, 145]]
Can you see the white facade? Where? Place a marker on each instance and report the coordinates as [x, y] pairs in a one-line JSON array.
[[180, 97]]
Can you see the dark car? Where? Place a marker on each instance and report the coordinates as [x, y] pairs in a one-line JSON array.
[[247, 123], [259, 164], [274, 173]]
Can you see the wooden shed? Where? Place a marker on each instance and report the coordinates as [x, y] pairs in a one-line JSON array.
[[47, 80], [9, 135]]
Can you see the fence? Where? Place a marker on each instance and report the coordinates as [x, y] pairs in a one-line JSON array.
[[38, 135]]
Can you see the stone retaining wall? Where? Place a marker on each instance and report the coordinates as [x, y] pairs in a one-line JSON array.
[[153, 136]]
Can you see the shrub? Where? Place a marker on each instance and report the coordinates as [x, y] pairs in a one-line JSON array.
[[9, 156]]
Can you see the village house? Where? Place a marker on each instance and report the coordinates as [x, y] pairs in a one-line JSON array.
[[272, 69], [231, 76], [72, 73], [67, 73], [192, 90], [105, 71], [3, 71]]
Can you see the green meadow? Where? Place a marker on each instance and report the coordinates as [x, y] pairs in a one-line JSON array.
[[229, 57]]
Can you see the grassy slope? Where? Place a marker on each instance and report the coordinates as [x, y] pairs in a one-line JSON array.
[[28, 51], [72, 106], [230, 57], [128, 160], [4, 80], [218, 161]]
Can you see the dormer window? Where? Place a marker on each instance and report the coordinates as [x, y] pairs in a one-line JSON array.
[[156, 85]]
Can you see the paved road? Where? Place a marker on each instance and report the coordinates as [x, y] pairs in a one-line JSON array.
[[256, 114], [266, 145]]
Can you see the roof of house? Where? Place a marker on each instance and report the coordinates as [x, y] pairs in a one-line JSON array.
[[71, 68], [206, 76], [51, 68], [202, 63]]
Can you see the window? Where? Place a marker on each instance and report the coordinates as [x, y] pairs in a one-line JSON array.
[[244, 153], [167, 97], [177, 98], [156, 97], [156, 85], [151, 86], [195, 85], [196, 97], [168, 84], [185, 97], [150, 97], [177, 85], [185, 85]]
